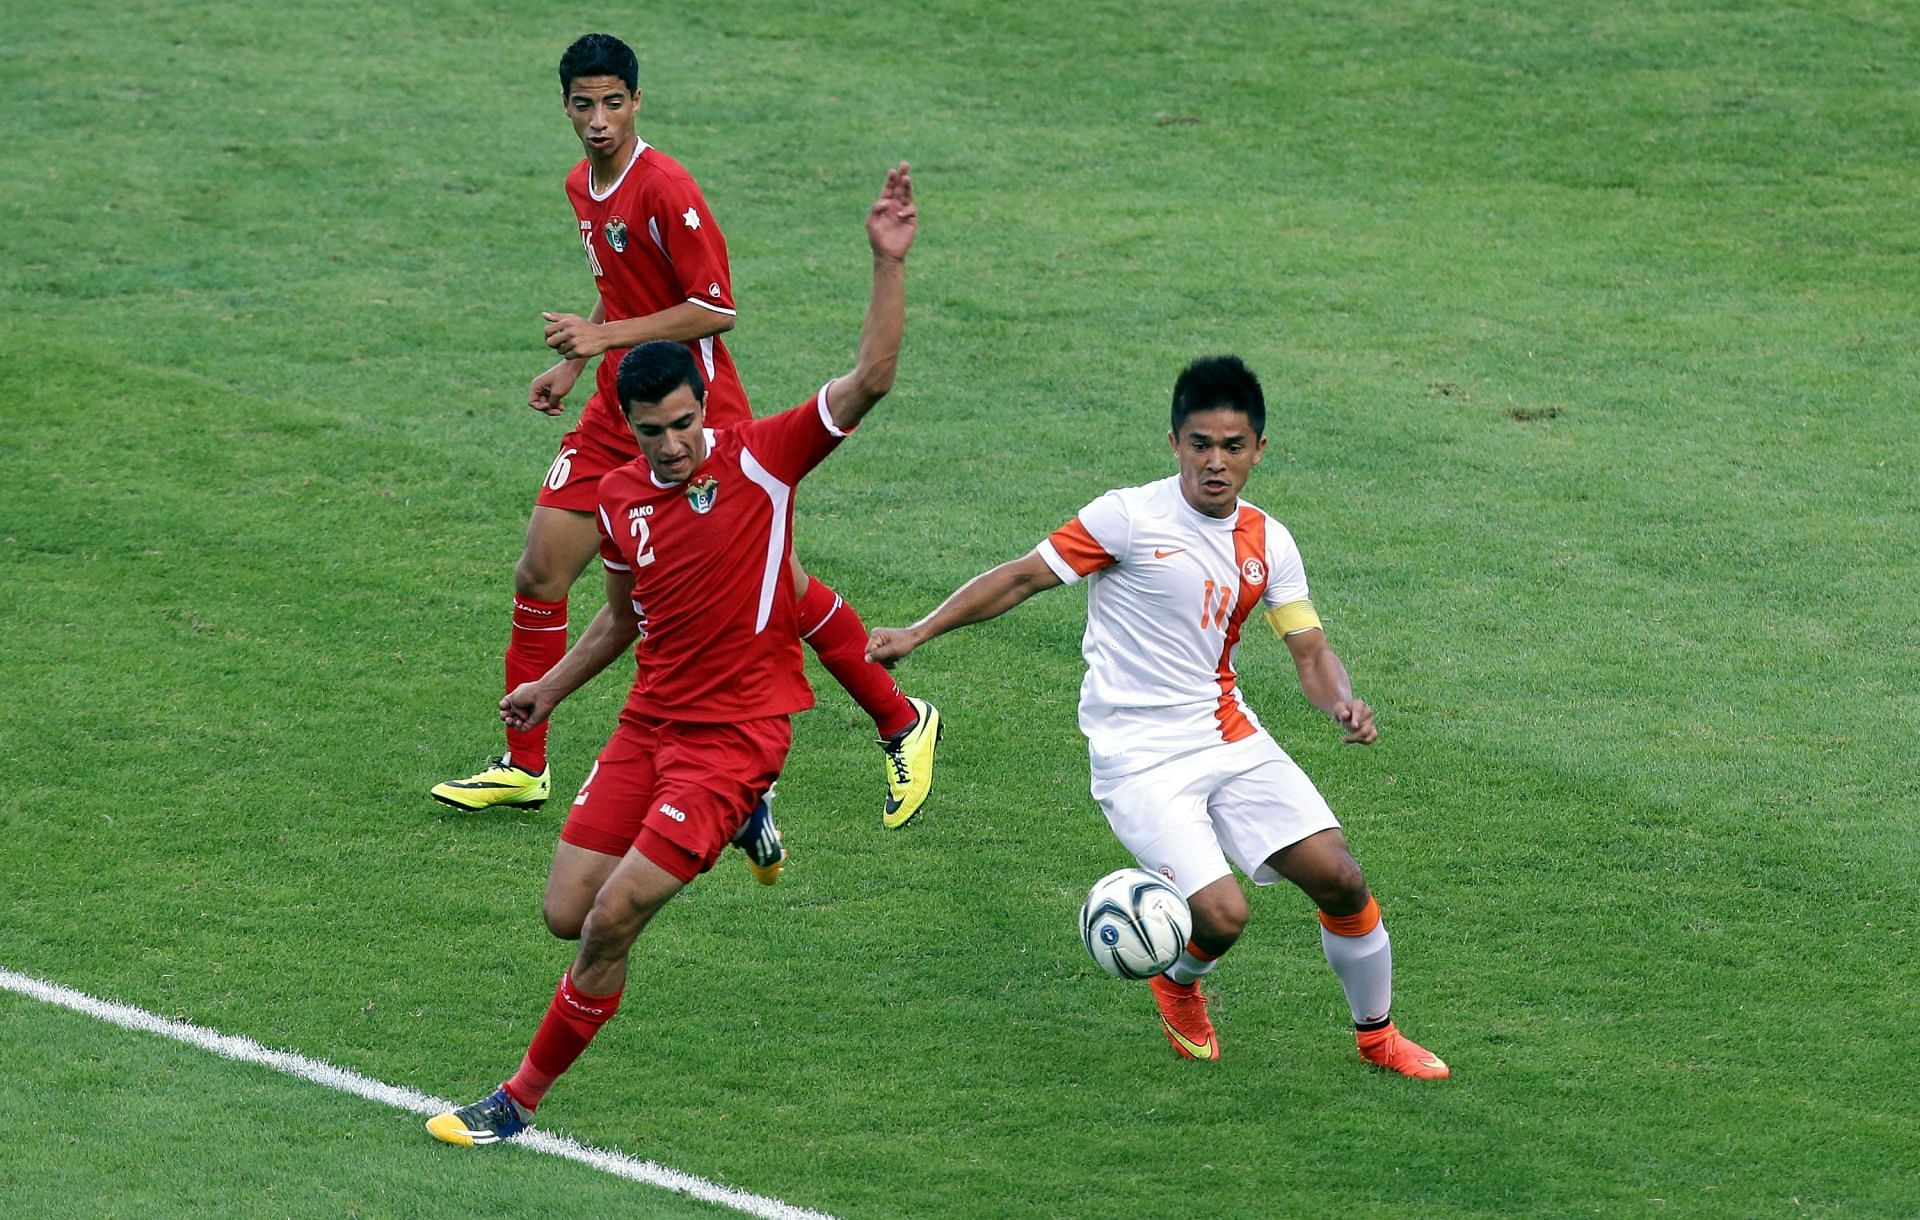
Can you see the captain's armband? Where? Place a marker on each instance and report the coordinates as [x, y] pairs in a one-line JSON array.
[[1293, 618]]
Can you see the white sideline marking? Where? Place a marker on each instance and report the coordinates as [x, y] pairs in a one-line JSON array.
[[246, 1050]]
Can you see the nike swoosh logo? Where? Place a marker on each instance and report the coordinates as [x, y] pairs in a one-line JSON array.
[[893, 806], [1163, 554], [1199, 1050], [1432, 1061]]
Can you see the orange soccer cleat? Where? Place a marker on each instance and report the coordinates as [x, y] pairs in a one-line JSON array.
[[1183, 1018], [1387, 1047]]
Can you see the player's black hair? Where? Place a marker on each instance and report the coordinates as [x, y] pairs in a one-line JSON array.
[[599, 55], [654, 370], [1219, 381]]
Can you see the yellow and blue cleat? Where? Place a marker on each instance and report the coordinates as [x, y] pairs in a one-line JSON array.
[[499, 783], [910, 765], [493, 1118], [760, 839]]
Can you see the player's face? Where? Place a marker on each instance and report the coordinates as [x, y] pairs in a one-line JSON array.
[[602, 112], [1217, 451], [669, 433]]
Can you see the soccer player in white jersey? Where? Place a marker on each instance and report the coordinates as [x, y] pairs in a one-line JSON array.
[[1187, 777]]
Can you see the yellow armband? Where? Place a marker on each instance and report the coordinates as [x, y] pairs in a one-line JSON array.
[[1293, 618]]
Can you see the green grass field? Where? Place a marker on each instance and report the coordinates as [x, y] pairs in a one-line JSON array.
[[1591, 342]]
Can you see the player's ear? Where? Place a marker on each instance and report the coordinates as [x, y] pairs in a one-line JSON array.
[[1259, 450]]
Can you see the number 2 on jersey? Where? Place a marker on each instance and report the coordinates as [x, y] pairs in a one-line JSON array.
[[641, 532]]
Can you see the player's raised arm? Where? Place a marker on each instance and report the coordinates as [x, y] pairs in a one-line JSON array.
[[988, 595], [891, 224]]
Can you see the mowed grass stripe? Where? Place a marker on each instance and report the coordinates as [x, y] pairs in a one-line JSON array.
[[245, 1050]]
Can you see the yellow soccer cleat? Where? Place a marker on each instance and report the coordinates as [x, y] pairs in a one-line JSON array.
[[910, 765], [501, 783]]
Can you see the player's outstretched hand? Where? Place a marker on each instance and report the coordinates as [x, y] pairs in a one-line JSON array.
[[888, 644], [893, 219], [526, 706], [1356, 718], [550, 389], [573, 336]]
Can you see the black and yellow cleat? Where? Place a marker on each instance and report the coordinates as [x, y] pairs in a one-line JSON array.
[[910, 765], [499, 783]]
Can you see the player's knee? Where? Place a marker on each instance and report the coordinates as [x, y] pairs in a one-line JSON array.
[[1220, 915], [1341, 889], [536, 576], [615, 920], [564, 922]]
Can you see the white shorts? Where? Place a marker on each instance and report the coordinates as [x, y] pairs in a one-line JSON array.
[[1184, 818]]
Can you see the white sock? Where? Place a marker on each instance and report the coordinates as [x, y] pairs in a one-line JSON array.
[[1365, 967], [1189, 968]]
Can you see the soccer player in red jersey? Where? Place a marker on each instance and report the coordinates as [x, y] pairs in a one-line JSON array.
[[659, 263], [695, 537]]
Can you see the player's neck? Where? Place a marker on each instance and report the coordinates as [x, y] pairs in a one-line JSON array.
[[604, 171]]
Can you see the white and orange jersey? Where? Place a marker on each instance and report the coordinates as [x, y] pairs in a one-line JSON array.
[[1168, 592]]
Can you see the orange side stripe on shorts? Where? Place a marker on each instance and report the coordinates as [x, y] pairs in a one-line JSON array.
[[1359, 923]]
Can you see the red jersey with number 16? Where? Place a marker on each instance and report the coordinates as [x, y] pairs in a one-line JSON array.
[[710, 576], [652, 244]]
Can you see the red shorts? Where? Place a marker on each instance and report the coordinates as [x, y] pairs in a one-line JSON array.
[[573, 481], [678, 790]]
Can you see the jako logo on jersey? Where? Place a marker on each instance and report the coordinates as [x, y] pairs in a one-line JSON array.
[[1166, 872], [644, 510], [702, 492], [671, 812], [1253, 572], [713, 290], [616, 231]]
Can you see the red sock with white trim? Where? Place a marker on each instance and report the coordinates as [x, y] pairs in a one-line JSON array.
[[539, 641], [838, 637], [572, 1019]]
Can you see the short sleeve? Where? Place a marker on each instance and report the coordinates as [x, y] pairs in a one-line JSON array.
[[693, 242], [1094, 539], [793, 442], [1286, 574], [610, 550]]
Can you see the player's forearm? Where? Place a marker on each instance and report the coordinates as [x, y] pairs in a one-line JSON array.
[[682, 323], [988, 595], [1324, 681], [609, 635], [853, 395]]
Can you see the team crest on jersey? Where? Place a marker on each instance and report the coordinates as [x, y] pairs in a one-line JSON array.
[[616, 233], [1253, 572], [702, 492]]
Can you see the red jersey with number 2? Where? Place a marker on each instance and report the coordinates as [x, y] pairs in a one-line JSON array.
[[710, 576], [652, 244]]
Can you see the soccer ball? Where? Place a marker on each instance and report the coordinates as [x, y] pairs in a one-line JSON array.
[[1134, 924]]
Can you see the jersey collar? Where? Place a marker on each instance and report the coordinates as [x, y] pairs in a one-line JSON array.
[[639, 146]]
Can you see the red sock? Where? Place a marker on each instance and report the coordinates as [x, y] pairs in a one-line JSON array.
[[539, 641], [838, 637], [572, 1019]]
